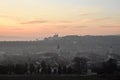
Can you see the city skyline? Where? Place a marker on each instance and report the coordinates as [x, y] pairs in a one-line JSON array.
[[30, 19]]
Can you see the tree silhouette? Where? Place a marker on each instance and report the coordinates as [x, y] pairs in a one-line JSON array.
[[20, 69], [64, 69], [69, 70], [110, 66], [80, 65], [59, 69], [3, 69], [43, 67]]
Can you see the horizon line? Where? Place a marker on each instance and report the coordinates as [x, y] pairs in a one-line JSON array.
[[38, 39]]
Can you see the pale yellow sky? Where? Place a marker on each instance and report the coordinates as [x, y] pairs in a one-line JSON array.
[[29, 19]]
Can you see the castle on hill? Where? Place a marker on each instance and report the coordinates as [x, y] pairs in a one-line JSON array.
[[54, 37]]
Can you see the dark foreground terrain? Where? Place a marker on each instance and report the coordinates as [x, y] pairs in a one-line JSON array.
[[54, 77]]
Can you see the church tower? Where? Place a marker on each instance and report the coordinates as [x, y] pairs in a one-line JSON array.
[[58, 49]]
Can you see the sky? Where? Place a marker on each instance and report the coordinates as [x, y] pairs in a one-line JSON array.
[[31, 19]]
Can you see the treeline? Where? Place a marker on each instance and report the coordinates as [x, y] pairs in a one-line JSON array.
[[109, 66], [77, 66]]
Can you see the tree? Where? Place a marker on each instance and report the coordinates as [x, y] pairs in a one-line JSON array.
[[69, 70], [32, 69], [48, 69], [110, 66], [43, 67], [80, 65], [3, 69], [20, 69], [59, 69], [64, 69]]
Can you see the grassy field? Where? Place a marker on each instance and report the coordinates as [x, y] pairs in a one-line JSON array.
[[49, 77]]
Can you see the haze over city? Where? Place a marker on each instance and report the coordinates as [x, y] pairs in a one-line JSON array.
[[30, 19]]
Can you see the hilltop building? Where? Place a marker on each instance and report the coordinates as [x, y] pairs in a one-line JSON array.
[[54, 37]]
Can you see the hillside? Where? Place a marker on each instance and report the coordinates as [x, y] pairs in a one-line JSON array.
[[69, 46]]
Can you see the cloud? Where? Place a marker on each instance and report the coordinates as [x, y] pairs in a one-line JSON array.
[[97, 19], [84, 14], [6, 16], [101, 19], [88, 11], [45, 21], [64, 21], [109, 26], [17, 29], [14, 38], [2, 36], [71, 27], [34, 22], [11, 17]]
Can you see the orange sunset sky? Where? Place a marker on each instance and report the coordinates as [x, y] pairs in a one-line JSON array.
[[30, 19]]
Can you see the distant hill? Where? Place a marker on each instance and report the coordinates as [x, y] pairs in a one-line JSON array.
[[69, 46]]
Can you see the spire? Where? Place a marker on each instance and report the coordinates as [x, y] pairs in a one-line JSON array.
[[111, 50], [58, 49], [58, 46], [109, 53]]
